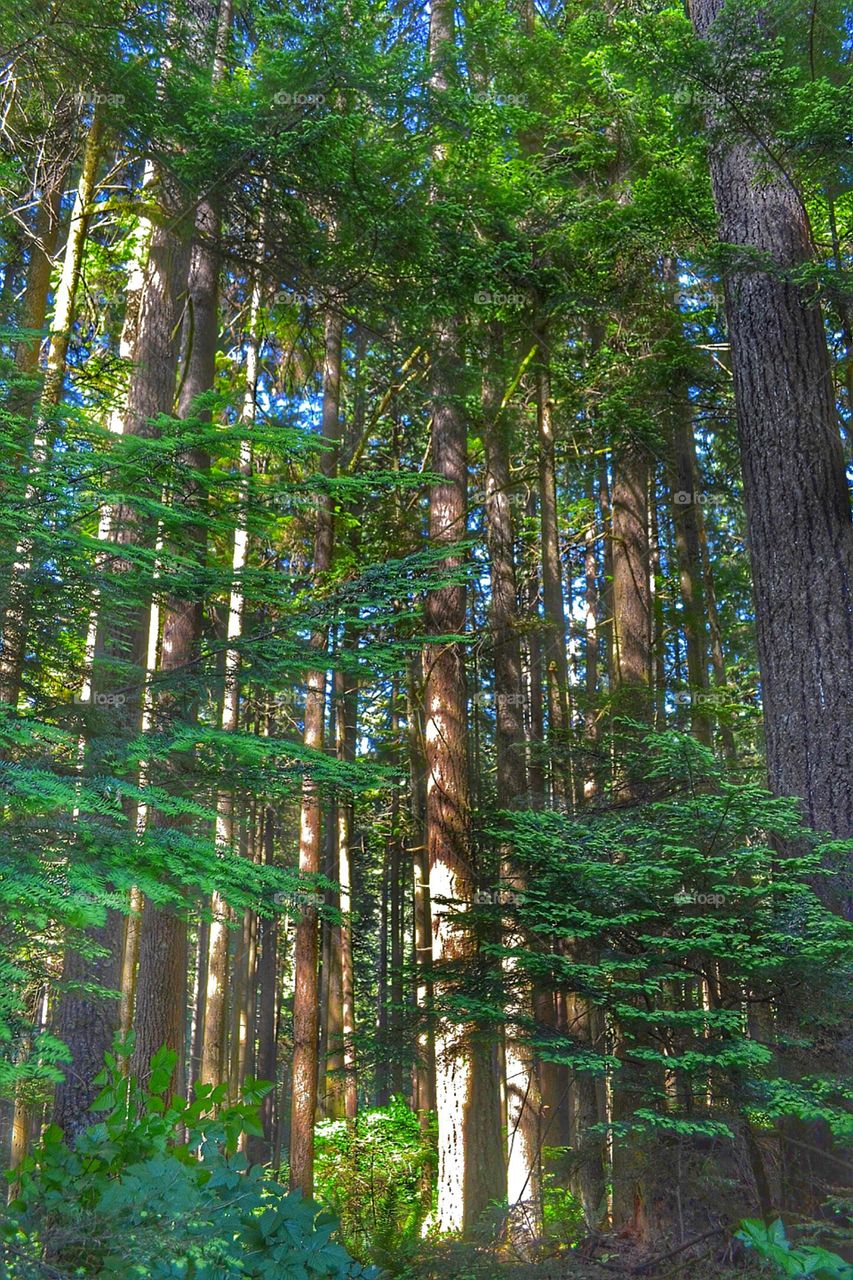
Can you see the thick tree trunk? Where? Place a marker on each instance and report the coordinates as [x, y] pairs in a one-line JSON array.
[[161, 1004], [795, 490], [87, 1024], [470, 1170]]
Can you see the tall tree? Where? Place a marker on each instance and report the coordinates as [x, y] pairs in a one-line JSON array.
[[795, 489], [305, 954]]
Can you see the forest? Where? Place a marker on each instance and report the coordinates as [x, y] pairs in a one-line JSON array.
[[426, 639]]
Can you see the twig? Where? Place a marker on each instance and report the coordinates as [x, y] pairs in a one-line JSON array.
[[671, 1253], [48, 1270]]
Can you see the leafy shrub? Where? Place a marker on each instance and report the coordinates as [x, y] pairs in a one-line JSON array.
[[378, 1176], [784, 1259], [562, 1211], [157, 1189]]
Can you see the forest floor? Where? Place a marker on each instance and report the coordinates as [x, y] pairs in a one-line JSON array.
[[604, 1259]]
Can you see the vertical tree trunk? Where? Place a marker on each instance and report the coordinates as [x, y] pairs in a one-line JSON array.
[[631, 588], [342, 1083], [424, 1073], [88, 1024], [261, 1145], [15, 623], [523, 1100], [657, 618], [162, 1000], [305, 994], [470, 1171], [554, 644], [199, 988], [39, 266], [395, 922], [533, 645], [383, 1072], [632, 670], [592, 721], [715, 631], [685, 515], [795, 490]]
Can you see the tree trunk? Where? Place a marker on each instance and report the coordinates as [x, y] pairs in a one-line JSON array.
[[632, 671], [631, 588], [424, 1072], [523, 1101], [592, 630], [15, 623], [535, 729], [795, 490], [305, 994], [260, 1147], [470, 1172], [86, 1024], [161, 1005], [554, 644]]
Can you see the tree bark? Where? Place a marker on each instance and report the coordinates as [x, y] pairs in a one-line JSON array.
[[161, 1004], [631, 588], [523, 1100], [554, 642], [86, 1024], [16, 617], [306, 992], [795, 491], [260, 1146]]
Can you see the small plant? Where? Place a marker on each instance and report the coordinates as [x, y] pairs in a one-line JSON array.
[[157, 1190], [784, 1259], [377, 1175], [562, 1211]]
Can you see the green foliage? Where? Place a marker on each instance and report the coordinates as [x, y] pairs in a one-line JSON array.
[[377, 1175], [562, 1212], [782, 1259], [682, 923], [158, 1190]]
